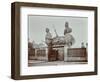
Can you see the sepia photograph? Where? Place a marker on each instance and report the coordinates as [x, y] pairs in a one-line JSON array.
[[53, 40], [57, 40]]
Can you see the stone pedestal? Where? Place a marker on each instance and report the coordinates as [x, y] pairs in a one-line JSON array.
[[65, 53], [46, 54]]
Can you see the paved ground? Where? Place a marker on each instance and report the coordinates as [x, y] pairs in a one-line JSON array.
[[45, 63]]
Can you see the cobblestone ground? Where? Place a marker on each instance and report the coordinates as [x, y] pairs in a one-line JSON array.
[[53, 63]]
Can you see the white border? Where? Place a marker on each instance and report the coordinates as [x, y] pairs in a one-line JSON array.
[[37, 70]]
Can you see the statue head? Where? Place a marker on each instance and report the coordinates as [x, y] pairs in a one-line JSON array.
[[47, 30], [66, 25], [67, 28]]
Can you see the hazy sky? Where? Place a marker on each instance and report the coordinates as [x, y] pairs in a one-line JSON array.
[[37, 25]]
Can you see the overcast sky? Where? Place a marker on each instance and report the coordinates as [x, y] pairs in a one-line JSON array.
[[38, 24]]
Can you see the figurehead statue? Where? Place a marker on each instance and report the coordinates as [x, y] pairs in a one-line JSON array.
[[67, 35], [48, 37], [67, 28]]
